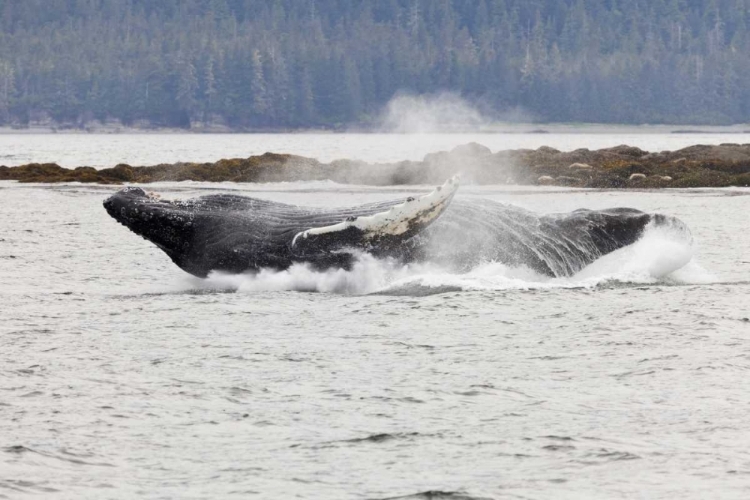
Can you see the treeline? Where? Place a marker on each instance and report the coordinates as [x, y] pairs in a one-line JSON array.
[[269, 64]]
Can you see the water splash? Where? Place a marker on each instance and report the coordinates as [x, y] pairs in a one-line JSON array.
[[662, 255], [660, 252], [367, 275]]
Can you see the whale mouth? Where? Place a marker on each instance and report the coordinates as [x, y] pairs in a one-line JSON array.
[[163, 223], [144, 213]]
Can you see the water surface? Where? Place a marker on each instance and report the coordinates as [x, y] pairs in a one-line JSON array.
[[121, 376], [107, 150]]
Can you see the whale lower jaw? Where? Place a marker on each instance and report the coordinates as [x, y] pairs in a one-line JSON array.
[[163, 223]]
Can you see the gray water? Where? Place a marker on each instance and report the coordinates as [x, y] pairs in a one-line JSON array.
[[107, 150], [121, 376]]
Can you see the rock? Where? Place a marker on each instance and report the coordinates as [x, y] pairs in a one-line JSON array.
[[727, 153], [580, 166], [471, 149], [449, 162], [618, 167], [439, 157], [545, 179], [120, 172], [568, 181], [624, 150]]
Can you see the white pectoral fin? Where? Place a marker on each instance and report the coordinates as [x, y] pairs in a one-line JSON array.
[[400, 220]]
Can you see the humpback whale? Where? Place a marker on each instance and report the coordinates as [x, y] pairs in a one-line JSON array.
[[237, 234]]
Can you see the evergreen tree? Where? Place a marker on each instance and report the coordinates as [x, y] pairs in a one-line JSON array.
[[259, 101], [187, 88], [330, 63]]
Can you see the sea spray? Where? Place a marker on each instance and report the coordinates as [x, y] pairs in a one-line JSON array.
[[443, 112], [661, 255], [366, 275], [658, 253]]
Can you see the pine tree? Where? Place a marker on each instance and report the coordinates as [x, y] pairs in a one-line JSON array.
[[7, 87], [259, 92], [322, 63], [187, 87], [209, 89]]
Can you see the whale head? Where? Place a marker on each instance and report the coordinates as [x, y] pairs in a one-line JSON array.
[[164, 223], [222, 232], [235, 234]]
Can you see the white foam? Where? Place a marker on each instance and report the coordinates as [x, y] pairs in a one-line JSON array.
[[367, 275], [657, 254], [662, 255]]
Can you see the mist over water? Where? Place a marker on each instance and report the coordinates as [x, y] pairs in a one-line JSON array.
[[443, 112], [430, 113]]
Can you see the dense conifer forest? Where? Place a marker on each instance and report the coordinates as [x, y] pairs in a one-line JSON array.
[[278, 64]]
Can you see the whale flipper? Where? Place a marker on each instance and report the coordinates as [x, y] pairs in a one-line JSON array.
[[381, 231]]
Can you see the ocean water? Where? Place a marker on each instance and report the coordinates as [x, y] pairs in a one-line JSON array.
[[107, 150], [122, 377]]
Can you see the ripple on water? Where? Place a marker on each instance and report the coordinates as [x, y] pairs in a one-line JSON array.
[[389, 383]]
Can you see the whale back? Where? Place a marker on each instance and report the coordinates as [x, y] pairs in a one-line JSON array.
[[480, 230]]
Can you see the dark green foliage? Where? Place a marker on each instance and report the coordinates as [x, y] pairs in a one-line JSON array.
[[268, 64]]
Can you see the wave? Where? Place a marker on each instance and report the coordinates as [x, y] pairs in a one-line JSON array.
[[661, 256]]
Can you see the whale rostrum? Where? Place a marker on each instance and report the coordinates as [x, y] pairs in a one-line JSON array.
[[237, 234]]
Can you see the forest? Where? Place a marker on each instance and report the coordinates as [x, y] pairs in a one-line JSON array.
[[332, 64]]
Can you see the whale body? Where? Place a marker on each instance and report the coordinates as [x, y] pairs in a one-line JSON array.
[[237, 234]]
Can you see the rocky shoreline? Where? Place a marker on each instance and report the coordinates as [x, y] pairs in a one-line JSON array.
[[618, 167]]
